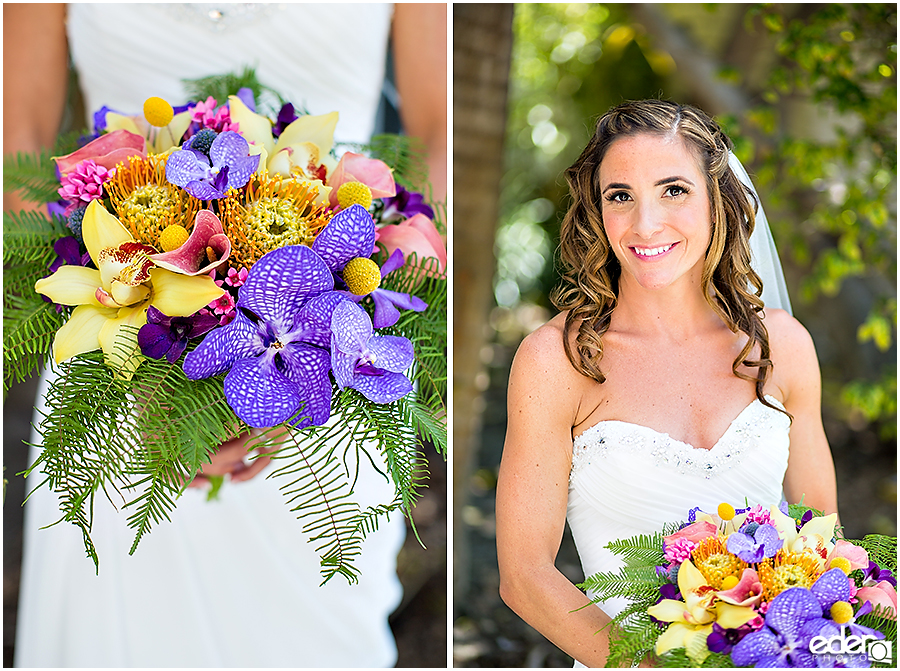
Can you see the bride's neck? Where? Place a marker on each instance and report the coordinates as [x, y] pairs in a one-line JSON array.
[[679, 312]]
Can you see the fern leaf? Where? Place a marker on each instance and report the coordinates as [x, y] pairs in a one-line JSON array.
[[29, 327], [33, 175]]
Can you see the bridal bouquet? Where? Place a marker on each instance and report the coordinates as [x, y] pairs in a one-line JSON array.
[[209, 271], [753, 587]]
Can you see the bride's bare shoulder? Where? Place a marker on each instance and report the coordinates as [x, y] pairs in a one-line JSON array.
[[542, 353]]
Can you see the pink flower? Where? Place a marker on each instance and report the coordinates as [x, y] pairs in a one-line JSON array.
[[236, 278], [679, 550], [695, 532], [759, 515], [373, 173], [84, 182], [415, 235], [856, 555], [107, 150], [194, 256], [205, 114], [748, 591], [881, 595]]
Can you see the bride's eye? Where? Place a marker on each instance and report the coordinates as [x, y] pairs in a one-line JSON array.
[[676, 190], [618, 197]]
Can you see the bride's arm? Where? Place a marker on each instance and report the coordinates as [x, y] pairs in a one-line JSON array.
[[34, 81], [810, 472], [532, 492]]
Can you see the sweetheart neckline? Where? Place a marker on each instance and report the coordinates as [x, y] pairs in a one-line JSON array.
[[728, 430]]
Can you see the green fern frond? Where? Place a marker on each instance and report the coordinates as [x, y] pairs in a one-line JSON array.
[[29, 328], [630, 581], [678, 659], [33, 175], [639, 550], [405, 155], [631, 640], [28, 236], [222, 86]]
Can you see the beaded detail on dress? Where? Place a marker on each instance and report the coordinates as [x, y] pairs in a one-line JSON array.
[[222, 16], [754, 424]]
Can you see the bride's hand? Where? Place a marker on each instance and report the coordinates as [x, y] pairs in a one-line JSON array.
[[232, 459]]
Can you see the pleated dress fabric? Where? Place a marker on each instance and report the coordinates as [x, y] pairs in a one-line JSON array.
[[234, 582], [628, 479]]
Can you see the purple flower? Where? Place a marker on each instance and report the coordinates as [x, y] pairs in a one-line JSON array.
[[68, 252], [351, 234], [229, 166], [874, 574], [793, 619], [276, 348], [164, 336], [246, 96], [373, 365], [762, 542], [286, 116], [404, 205]]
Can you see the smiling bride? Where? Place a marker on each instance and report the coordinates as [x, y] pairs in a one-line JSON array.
[[664, 383]]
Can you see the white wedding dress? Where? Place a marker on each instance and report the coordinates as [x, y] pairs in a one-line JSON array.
[[231, 583], [627, 479]]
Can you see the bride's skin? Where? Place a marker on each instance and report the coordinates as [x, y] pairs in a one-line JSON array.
[[35, 79], [667, 358]]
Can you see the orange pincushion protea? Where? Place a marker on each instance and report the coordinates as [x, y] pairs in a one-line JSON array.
[[145, 202], [715, 562], [786, 570], [271, 213]]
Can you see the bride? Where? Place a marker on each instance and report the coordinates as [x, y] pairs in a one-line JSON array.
[[663, 384]]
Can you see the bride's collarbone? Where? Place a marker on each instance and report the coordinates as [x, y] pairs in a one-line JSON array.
[[692, 399]]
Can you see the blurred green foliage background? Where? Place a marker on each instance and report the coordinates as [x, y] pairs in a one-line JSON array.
[[808, 94]]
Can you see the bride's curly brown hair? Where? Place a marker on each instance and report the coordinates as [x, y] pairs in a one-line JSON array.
[[590, 270]]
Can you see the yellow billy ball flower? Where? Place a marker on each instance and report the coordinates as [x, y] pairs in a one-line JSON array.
[[158, 112], [173, 237], [729, 581], [840, 562], [362, 276], [841, 612], [354, 193], [726, 511]]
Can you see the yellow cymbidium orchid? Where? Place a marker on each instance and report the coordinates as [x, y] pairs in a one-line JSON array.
[[692, 619], [118, 294], [814, 537], [302, 149]]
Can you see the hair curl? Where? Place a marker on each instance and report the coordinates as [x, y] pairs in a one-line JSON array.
[[590, 270]]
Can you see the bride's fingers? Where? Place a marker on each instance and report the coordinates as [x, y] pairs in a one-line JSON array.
[[246, 471]]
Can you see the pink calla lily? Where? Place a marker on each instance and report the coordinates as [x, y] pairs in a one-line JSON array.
[[748, 591], [192, 258], [856, 555], [373, 173], [107, 150], [695, 532], [881, 595], [415, 235]]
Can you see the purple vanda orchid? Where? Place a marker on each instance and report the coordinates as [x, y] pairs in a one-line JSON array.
[[753, 547], [350, 235], [229, 166], [276, 349], [373, 365]]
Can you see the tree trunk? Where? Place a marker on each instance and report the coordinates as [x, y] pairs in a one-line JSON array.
[[482, 45]]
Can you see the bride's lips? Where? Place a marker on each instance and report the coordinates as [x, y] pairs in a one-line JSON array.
[[653, 253]]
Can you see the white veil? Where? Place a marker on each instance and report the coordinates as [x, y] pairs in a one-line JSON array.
[[763, 253]]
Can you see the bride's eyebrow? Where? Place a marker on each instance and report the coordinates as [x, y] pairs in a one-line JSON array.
[[666, 180], [670, 180]]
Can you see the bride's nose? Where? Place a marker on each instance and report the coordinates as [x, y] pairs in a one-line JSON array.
[[649, 219]]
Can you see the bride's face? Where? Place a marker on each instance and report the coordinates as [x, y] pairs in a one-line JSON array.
[[655, 210]]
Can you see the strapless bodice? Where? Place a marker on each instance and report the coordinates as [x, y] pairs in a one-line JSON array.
[[628, 479]]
